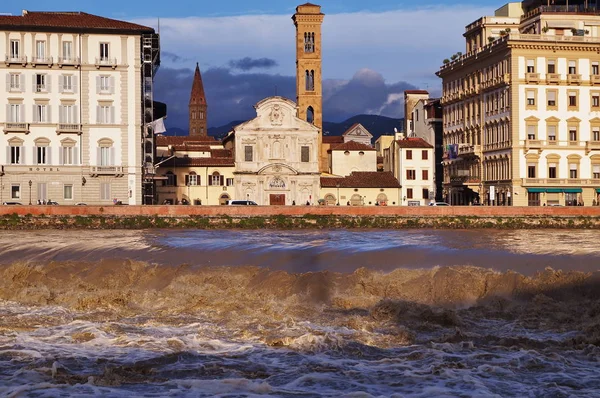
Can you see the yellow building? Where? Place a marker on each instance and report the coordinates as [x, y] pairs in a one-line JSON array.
[[522, 107]]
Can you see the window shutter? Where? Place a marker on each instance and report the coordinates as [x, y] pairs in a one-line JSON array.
[[35, 159], [98, 156], [210, 180], [49, 155], [21, 114], [48, 81], [187, 180], [222, 181], [8, 113], [7, 82], [48, 114], [112, 156], [112, 115], [61, 84], [60, 155], [98, 116], [175, 179], [76, 155], [8, 160], [74, 83], [22, 155], [111, 83], [198, 180], [98, 86], [35, 114], [75, 114], [34, 83]]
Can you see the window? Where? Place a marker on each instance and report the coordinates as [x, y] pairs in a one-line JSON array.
[[192, 179], [572, 98], [309, 42], [105, 191], [533, 198], [551, 133], [40, 51], [552, 170], [304, 154], [573, 170], [425, 175], [41, 113], [216, 179], [105, 84], [595, 70], [14, 82], [409, 193], [551, 66], [425, 193], [530, 66], [530, 132], [68, 192], [531, 171], [15, 52], [105, 114], [42, 153], [41, 83], [595, 133], [67, 83], [424, 155], [229, 182], [595, 100], [551, 98], [104, 52], [572, 134], [596, 171], [67, 155], [411, 175], [15, 113], [15, 191], [105, 156], [572, 67], [408, 154], [530, 97], [310, 80], [248, 153], [171, 180], [67, 114], [67, 53], [16, 154]]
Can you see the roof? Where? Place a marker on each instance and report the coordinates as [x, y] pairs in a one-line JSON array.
[[351, 146], [164, 140], [362, 179], [413, 143], [416, 92], [192, 147], [68, 21], [197, 96], [198, 162], [333, 139]]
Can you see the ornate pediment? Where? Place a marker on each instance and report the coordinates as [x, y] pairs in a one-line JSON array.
[[277, 169]]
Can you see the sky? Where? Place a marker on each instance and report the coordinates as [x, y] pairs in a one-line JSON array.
[[372, 50]]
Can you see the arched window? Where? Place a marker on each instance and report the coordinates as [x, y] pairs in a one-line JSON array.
[[171, 180], [309, 42], [356, 200], [216, 179], [330, 199], [310, 115], [382, 199], [310, 80], [192, 179], [223, 199], [106, 152], [276, 150]]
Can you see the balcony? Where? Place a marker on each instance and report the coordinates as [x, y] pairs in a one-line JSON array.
[[532, 77], [15, 88], [104, 62], [592, 146], [573, 79], [534, 144], [469, 150], [553, 78], [68, 128], [15, 59], [41, 61], [68, 61], [11, 127], [540, 182], [106, 170], [595, 79]]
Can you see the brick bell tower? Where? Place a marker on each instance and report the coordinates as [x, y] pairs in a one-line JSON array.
[[198, 107], [309, 91]]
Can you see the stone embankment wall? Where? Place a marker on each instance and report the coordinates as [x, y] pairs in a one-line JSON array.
[[133, 217]]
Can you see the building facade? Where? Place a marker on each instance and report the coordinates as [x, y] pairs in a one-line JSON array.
[[73, 113], [412, 165], [522, 107]]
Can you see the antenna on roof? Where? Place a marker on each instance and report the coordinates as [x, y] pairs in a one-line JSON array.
[[158, 25]]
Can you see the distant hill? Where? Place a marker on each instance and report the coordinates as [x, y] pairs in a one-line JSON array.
[[377, 125]]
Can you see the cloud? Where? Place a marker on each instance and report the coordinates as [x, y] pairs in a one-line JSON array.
[[231, 96], [247, 63]]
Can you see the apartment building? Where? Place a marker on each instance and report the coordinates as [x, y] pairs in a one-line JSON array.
[[411, 161], [521, 108], [78, 97]]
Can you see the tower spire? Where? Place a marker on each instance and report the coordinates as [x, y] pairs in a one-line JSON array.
[[198, 106]]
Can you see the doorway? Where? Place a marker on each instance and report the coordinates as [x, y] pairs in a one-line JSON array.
[[277, 200]]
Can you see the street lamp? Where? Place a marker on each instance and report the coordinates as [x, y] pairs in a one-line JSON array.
[[30, 183], [338, 193]]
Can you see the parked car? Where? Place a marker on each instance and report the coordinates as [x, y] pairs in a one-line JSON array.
[[438, 204], [51, 203], [241, 203], [11, 203], [80, 204]]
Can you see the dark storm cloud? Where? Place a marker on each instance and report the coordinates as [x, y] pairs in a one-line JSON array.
[[232, 96], [247, 63], [173, 57]]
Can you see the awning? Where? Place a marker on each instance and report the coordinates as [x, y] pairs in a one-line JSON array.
[[597, 190], [554, 190], [536, 190], [572, 190]]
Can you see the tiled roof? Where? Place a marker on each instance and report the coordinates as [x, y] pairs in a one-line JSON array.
[[333, 139], [68, 21], [416, 92], [198, 162], [362, 179], [413, 143], [352, 146], [192, 147], [220, 153], [164, 140]]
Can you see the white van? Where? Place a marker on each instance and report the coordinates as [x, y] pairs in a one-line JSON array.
[[241, 203]]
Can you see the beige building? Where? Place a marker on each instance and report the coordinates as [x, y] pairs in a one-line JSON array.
[[361, 188], [522, 107], [352, 156], [411, 161], [72, 115]]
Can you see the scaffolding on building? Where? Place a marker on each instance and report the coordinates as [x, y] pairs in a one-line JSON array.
[[150, 64]]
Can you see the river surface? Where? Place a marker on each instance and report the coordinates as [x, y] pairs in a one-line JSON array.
[[334, 313]]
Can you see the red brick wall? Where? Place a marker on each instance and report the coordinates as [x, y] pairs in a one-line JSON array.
[[301, 210]]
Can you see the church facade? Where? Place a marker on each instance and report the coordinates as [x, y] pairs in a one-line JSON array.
[[276, 156]]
